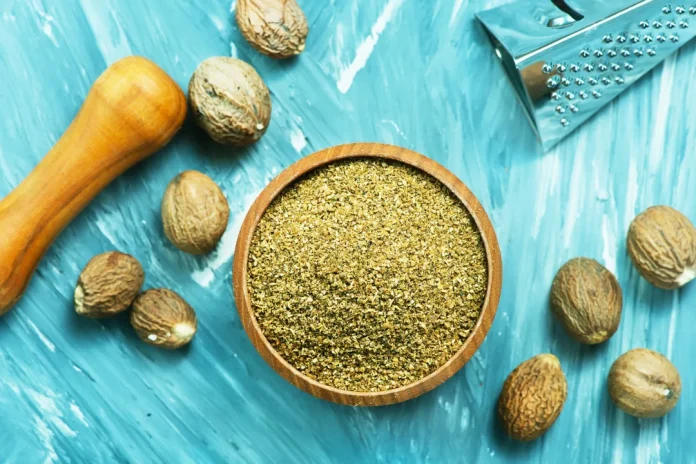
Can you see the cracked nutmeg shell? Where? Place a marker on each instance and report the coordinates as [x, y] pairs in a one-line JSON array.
[[644, 384], [662, 245], [532, 397], [108, 285], [587, 299], [230, 101], [194, 212], [162, 318], [277, 28]]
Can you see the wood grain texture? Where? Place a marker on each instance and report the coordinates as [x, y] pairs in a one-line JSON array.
[[132, 111], [415, 73], [366, 150]]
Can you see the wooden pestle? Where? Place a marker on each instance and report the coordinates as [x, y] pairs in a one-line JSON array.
[[133, 109]]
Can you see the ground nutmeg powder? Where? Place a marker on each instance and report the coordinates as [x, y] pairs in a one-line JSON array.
[[366, 274]]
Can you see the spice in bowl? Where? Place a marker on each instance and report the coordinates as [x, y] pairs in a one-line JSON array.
[[367, 275]]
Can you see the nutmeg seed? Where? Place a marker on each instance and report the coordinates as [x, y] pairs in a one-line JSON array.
[[532, 397], [162, 318], [643, 383], [194, 212], [587, 299], [230, 101], [277, 28], [108, 285], [662, 245]]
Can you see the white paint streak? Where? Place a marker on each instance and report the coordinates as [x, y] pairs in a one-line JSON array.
[[225, 250], [672, 325], [233, 50], [365, 49], [47, 405], [297, 138], [455, 11], [218, 23], [549, 171], [108, 31], [648, 448], [662, 112], [48, 32], [45, 435], [79, 415], [631, 192], [104, 229], [576, 192], [396, 127], [609, 245], [44, 339]]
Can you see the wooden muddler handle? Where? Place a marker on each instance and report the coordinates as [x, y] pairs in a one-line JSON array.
[[133, 109]]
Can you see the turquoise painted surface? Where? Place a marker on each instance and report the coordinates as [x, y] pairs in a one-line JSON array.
[[414, 73]]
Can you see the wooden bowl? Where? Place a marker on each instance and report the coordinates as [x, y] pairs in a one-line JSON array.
[[366, 150]]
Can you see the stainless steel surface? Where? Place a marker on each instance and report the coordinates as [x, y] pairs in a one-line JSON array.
[[567, 59]]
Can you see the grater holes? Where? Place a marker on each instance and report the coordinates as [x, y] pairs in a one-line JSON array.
[[680, 10], [552, 82]]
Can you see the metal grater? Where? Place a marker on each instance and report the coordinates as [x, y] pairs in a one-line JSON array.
[[567, 59]]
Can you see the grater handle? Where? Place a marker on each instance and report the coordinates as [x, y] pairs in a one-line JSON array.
[[563, 16]]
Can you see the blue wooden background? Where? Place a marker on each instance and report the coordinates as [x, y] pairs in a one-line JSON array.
[[417, 73]]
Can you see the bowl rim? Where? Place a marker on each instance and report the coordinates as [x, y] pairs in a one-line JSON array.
[[379, 151]]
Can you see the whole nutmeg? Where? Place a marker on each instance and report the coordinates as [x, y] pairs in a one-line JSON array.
[[108, 285], [532, 397], [162, 318], [194, 212], [662, 245], [277, 28], [587, 299], [643, 383], [230, 101]]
